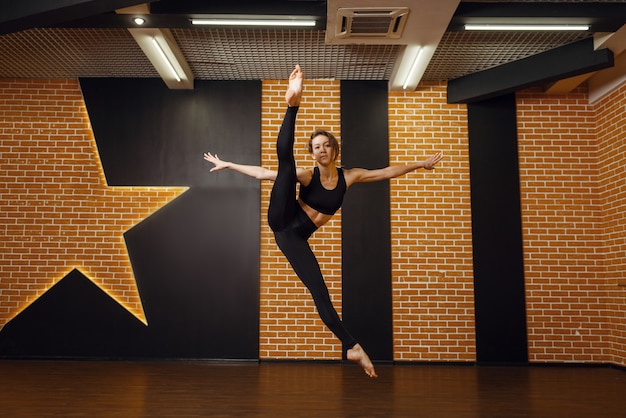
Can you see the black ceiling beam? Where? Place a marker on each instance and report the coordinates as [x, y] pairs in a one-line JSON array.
[[177, 13], [26, 14], [603, 17], [152, 20], [254, 7], [550, 66]]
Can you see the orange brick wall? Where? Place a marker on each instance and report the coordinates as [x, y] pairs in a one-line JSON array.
[[565, 203], [433, 303], [611, 131], [56, 211]]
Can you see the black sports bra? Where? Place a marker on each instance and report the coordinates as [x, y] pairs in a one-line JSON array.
[[321, 199]]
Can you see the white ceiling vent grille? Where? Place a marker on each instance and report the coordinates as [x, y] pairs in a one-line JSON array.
[[371, 22]]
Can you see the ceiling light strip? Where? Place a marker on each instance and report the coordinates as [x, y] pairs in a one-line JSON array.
[[546, 28], [254, 22], [411, 72], [166, 59]]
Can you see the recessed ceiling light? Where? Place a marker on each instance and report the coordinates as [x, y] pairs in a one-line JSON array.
[[139, 20]]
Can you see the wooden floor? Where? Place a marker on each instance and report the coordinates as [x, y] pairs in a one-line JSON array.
[[182, 389]]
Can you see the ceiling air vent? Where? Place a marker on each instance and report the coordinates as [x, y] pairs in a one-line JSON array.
[[371, 22]]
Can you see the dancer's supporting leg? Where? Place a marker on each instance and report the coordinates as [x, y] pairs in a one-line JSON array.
[[303, 261]]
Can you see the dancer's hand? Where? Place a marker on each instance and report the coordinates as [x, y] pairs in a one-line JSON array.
[[429, 163], [219, 164]]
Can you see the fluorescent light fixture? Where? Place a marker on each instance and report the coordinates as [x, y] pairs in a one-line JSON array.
[[410, 67], [254, 22], [165, 59], [411, 72], [546, 28]]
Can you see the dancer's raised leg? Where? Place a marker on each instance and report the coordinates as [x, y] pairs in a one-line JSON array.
[[283, 201]]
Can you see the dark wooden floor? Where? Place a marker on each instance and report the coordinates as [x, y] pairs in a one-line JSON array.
[[181, 389]]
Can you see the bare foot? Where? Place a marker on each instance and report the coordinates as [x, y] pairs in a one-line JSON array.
[[294, 91], [358, 355]]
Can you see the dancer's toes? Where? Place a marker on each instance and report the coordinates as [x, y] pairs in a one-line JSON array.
[[294, 91], [358, 355]]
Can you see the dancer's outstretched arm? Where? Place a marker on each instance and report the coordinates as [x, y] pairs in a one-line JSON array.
[[361, 175], [257, 172]]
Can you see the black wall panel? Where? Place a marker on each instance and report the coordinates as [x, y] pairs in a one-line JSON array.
[[197, 268], [497, 232], [151, 136], [196, 260], [366, 241], [74, 318]]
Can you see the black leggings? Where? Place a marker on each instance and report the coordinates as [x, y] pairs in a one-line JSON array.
[[292, 228]]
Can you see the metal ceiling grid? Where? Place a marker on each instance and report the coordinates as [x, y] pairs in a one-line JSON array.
[[43, 53], [231, 54], [462, 53]]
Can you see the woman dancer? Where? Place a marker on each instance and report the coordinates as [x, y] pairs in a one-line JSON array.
[[293, 220]]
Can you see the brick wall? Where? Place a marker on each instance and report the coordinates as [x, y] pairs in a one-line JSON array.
[[610, 120], [433, 304], [563, 228], [56, 211]]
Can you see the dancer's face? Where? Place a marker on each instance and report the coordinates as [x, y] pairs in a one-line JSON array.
[[322, 150]]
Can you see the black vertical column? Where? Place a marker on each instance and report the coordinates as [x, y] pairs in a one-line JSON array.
[[497, 232], [366, 242]]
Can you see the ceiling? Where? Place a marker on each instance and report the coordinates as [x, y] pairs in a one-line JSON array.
[[92, 40]]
